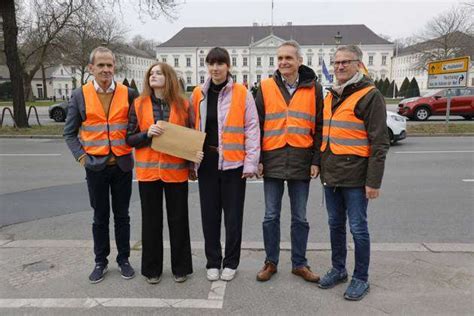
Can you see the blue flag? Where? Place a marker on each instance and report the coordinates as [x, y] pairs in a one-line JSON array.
[[326, 73]]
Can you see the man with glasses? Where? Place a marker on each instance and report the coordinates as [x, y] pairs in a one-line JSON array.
[[290, 110], [355, 143]]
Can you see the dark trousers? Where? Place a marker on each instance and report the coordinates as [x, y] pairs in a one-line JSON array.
[[221, 190], [110, 181], [176, 195]]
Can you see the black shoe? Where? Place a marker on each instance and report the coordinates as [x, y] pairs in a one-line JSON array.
[[98, 274], [126, 270]]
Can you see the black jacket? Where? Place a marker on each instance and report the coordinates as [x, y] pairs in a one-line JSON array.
[[290, 162], [352, 170]]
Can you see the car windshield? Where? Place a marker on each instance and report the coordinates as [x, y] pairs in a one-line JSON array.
[[432, 93]]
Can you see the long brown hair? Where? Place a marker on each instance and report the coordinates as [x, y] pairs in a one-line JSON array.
[[172, 92]]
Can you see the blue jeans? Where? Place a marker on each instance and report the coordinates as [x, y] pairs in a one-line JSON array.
[[298, 191], [342, 203]]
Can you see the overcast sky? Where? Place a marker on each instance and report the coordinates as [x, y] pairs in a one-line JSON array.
[[396, 19]]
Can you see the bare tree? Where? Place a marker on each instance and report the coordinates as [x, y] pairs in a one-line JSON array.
[[448, 35], [147, 45]]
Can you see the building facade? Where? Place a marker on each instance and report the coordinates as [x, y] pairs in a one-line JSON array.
[[253, 49]]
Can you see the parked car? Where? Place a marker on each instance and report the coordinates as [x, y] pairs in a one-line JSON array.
[[397, 127], [435, 103], [58, 112]]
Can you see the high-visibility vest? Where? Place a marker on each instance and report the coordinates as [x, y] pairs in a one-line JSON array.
[[100, 133], [344, 132], [233, 132], [292, 124], [153, 165]]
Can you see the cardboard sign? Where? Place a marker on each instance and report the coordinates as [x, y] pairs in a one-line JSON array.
[[178, 141]]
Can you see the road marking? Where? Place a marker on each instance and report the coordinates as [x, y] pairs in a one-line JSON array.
[[468, 180], [215, 300], [246, 245], [435, 152], [30, 155]]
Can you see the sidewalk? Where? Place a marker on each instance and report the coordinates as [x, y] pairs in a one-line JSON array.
[[50, 277]]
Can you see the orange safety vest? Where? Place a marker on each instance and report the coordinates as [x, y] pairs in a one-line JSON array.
[[292, 124], [153, 165], [100, 133], [344, 132], [233, 132]]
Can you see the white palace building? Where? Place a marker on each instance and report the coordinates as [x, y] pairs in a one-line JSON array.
[[253, 49]]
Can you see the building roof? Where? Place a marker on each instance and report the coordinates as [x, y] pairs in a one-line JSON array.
[[132, 51], [460, 40], [245, 35]]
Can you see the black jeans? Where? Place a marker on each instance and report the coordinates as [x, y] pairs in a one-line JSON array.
[[176, 195], [110, 181], [221, 190]]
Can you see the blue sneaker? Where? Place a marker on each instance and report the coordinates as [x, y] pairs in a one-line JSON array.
[[98, 273], [356, 290], [126, 270], [332, 278]]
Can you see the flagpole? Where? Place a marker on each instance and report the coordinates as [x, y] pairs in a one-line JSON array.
[[272, 18]]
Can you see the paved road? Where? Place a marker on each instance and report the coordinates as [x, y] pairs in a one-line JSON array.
[[427, 194]]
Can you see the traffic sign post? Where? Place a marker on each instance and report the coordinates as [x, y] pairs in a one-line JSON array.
[[448, 73]]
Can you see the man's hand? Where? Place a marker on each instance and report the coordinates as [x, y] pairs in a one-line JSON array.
[[199, 156], [260, 170], [82, 160], [155, 130], [314, 171], [371, 193], [247, 175], [192, 175]]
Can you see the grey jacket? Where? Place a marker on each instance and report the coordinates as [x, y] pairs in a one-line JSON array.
[[352, 170], [290, 162], [76, 114]]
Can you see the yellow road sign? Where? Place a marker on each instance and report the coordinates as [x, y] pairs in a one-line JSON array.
[[449, 66]]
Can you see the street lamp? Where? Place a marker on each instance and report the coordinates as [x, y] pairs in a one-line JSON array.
[[338, 38]]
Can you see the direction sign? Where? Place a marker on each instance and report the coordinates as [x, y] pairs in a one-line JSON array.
[[447, 81], [447, 66]]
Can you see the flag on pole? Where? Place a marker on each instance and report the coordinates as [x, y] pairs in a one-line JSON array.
[[326, 73]]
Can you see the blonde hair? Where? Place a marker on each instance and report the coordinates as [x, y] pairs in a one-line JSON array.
[[172, 91]]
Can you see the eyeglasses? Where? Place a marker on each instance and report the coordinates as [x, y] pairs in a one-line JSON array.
[[343, 63]]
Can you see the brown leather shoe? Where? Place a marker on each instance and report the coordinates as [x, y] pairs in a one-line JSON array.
[[267, 271], [306, 274]]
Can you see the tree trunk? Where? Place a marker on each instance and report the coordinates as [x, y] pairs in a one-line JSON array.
[[10, 33], [45, 87]]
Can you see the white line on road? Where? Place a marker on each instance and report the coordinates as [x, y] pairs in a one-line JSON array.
[[31, 155], [468, 180], [435, 152]]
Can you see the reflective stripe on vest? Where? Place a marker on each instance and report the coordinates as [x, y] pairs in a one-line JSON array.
[[152, 165], [233, 131], [292, 124], [342, 130], [100, 133]]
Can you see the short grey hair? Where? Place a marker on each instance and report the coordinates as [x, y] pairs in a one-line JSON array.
[[354, 49], [294, 44], [100, 49]]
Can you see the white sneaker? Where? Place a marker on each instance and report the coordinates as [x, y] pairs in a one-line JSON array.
[[213, 274], [228, 274]]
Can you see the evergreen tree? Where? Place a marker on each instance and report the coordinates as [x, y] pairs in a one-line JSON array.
[[404, 88], [125, 82], [390, 89], [378, 84], [133, 85], [385, 85], [414, 89]]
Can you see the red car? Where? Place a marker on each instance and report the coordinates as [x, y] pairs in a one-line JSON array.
[[435, 103]]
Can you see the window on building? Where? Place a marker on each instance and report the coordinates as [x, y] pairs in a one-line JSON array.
[[201, 62], [201, 79], [309, 61], [163, 59], [259, 61], [234, 61], [245, 78], [320, 60], [371, 60], [188, 61], [384, 60], [245, 62], [188, 80], [259, 77], [176, 62], [73, 70], [234, 77], [331, 59], [271, 61]]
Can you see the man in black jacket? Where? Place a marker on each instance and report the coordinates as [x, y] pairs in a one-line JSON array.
[[289, 106], [355, 144]]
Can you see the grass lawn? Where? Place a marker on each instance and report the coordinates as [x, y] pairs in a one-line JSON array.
[[433, 129], [392, 101], [28, 103], [56, 129]]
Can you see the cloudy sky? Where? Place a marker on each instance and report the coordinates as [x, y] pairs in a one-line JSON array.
[[396, 19]]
